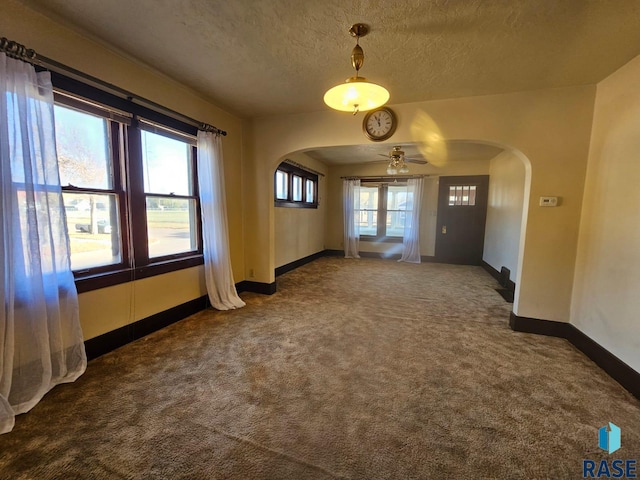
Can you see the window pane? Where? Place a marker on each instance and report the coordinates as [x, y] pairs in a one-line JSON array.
[[282, 185], [82, 142], [368, 220], [171, 225], [368, 216], [396, 197], [166, 163], [297, 188], [369, 197], [92, 221], [309, 191], [395, 223]]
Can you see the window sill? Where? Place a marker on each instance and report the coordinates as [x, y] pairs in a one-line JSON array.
[[367, 238], [287, 204], [87, 283]]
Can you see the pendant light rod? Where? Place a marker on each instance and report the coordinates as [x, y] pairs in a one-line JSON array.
[[357, 54]]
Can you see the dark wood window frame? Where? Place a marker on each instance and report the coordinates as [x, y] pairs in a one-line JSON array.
[[292, 170], [381, 233], [129, 186], [116, 126]]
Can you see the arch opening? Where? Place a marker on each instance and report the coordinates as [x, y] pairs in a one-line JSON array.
[[505, 227]]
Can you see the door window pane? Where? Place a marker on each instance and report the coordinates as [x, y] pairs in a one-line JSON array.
[[82, 142], [166, 164], [171, 225], [94, 236], [282, 184], [462, 195], [472, 195]]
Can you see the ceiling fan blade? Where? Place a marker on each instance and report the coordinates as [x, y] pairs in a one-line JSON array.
[[377, 161], [415, 160], [383, 155]]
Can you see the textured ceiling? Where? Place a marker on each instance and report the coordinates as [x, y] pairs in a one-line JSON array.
[[367, 153], [258, 58]]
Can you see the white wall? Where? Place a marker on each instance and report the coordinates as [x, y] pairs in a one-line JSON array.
[[299, 232], [504, 212], [606, 294]]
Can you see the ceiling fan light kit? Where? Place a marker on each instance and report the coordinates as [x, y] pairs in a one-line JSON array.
[[397, 163], [356, 94]]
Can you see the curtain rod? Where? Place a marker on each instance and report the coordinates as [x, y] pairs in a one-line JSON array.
[[385, 177], [303, 167], [20, 52]]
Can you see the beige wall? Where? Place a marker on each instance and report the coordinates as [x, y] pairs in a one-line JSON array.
[[504, 212], [113, 307], [550, 129], [428, 215], [299, 232], [606, 300], [109, 308]]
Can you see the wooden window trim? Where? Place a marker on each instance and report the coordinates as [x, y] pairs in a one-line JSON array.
[[292, 170], [129, 186], [381, 227]]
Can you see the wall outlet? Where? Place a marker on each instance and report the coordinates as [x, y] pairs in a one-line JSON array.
[[251, 273]]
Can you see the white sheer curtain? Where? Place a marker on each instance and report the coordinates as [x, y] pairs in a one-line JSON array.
[[41, 342], [411, 237], [215, 231], [351, 195]]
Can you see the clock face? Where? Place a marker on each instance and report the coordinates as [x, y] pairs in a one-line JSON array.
[[379, 124]]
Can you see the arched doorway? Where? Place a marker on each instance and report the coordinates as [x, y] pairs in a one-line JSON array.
[[506, 208]]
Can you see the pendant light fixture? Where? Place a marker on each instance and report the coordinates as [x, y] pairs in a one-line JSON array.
[[356, 94]]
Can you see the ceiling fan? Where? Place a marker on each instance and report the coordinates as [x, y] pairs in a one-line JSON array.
[[398, 161]]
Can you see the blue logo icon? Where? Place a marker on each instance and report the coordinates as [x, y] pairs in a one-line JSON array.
[[609, 440]]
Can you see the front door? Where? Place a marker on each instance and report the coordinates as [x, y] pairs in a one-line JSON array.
[[462, 214]]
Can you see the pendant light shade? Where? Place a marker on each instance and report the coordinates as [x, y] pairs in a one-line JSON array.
[[356, 94]]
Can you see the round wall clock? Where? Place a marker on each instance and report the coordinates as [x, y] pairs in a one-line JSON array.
[[379, 124]]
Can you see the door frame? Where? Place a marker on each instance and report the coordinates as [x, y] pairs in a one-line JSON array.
[[482, 199]]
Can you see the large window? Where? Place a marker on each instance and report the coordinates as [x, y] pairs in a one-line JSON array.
[[383, 211], [295, 187], [130, 191]]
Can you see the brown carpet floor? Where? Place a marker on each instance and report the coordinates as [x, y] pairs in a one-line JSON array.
[[354, 369]]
